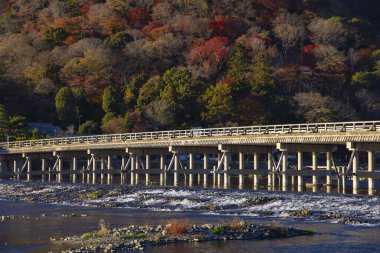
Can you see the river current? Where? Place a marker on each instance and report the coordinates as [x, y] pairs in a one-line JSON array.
[[344, 223]]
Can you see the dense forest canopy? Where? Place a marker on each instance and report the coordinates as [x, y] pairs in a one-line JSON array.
[[134, 65]]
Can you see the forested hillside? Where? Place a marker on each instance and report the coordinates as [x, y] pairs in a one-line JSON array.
[[134, 65]]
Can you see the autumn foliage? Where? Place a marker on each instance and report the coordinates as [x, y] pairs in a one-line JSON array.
[[182, 64]]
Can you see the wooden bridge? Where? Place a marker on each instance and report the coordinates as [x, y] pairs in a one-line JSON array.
[[272, 154]]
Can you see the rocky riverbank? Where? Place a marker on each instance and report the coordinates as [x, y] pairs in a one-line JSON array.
[[137, 238], [332, 208]]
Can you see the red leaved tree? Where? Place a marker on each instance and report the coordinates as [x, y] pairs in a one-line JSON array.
[[206, 57], [230, 27], [137, 16]]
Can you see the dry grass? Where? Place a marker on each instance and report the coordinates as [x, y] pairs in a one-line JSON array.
[[236, 224], [177, 227], [104, 228]]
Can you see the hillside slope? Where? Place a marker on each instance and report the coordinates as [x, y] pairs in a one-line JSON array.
[[133, 65]]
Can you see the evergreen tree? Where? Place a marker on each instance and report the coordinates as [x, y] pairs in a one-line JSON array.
[[218, 103], [18, 128], [4, 123], [238, 67], [110, 100], [262, 80], [65, 105], [181, 91]]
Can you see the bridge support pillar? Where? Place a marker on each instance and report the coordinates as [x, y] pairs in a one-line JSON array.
[[122, 174], [43, 169], [255, 169], [133, 166], [147, 169], [16, 175], [284, 170], [205, 168], [218, 175], [270, 170], [371, 165], [355, 165], [176, 166], [29, 169], [88, 175], [162, 170], [314, 159], [109, 168], [191, 168], [227, 177], [74, 167], [93, 169], [328, 168], [299, 168], [137, 168], [102, 170], [59, 169], [241, 168]]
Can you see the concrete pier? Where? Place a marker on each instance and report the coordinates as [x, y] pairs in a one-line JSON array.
[[147, 169], [315, 167], [299, 168]]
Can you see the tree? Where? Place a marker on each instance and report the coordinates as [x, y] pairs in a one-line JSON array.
[[18, 128], [182, 91], [314, 107], [113, 126], [218, 103], [134, 122], [89, 127], [55, 36], [66, 106], [150, 91], [329, 59], [238, 66], [131, 90], [162, 12], [161, 114], [110, 100], [4, 123], [16, 54], [118, 40], [92, 72], [207, 57], [43, 77], [137, 15], [369, 78], [262, 80], [290, 29], [73, 7], [230, 27], [328, 31]]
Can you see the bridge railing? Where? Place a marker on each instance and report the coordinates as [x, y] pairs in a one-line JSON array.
[[201, 133]]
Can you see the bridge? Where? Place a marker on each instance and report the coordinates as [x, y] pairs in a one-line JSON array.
[[274, 155]]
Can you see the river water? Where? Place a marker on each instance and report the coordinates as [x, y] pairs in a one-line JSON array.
[[32, 233], [35, 223]]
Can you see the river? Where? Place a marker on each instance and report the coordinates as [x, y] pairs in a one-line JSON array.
[[35, 223]]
